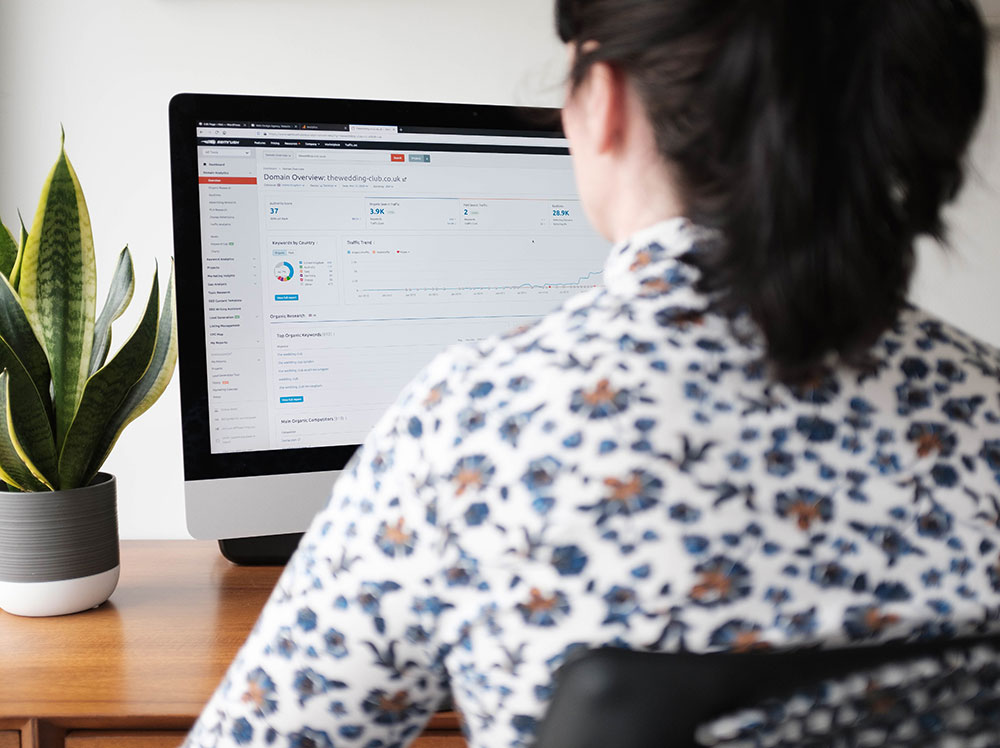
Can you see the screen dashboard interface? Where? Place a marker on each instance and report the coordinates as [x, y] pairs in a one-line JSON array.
[[339, 259]]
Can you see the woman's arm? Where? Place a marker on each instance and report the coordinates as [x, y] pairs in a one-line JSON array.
[[345, 651]]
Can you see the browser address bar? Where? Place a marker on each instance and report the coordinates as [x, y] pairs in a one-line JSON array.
[[383, 133]]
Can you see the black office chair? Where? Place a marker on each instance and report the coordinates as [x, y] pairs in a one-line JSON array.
[[942, 693]]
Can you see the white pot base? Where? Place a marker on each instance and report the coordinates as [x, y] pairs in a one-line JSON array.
[[60, 597]]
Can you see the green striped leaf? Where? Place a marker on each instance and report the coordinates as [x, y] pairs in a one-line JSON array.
[[148, 389], [104, 393], [15, 272], [58, 287], [20, 349], [8, 250], [119, 296], [13, 470]]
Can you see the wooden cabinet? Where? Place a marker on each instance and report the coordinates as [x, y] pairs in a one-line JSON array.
[[123, 739], [136, 672]]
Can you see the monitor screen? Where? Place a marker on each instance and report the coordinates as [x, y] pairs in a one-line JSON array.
[[327, 250]]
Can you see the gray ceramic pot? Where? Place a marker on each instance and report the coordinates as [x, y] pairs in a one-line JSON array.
[[59, 549]]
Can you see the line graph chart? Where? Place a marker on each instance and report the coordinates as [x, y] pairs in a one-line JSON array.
[[430, 268]]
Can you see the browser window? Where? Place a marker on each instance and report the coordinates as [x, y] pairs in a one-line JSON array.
[[339, 259]]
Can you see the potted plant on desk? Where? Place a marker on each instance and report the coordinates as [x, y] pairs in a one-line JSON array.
[[64, 403]]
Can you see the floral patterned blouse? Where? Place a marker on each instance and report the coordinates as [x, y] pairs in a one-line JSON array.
[[622, 472]]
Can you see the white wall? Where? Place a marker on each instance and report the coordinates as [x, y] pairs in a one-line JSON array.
[[108, 68]]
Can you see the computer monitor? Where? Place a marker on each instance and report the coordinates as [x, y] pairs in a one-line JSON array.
[[325, 251]]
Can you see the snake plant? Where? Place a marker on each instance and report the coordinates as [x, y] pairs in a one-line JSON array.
[[63, 403]]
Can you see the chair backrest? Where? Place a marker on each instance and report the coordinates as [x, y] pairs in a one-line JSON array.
[[883, 695]]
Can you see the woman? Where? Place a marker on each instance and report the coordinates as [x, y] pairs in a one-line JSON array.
[[745, 439]]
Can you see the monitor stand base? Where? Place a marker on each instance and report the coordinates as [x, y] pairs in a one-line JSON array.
[[266, 550]]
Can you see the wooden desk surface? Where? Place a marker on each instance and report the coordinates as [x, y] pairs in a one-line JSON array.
[[146, 660]]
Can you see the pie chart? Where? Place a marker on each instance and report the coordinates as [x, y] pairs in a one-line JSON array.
[[283, 271]]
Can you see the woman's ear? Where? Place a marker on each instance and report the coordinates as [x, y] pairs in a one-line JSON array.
[[604, 106]]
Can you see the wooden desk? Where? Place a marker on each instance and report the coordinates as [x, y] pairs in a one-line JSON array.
[[136, 672]]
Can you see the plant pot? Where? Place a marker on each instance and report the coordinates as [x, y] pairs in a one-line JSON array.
[[59, 549]]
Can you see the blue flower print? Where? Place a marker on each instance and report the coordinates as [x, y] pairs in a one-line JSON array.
[[513, 425], [389, 709], [540, 475], [890, 540], [799, 625], [866, 622], [284, 644], [306, 619], [463, 572], [815, 429], [738, 636], [638, 492], [471, 472], [307, 737], [720, 581], [934, 524], [436, 394], [805, 506], [962, 409], [309, 683], [993, 573], [260, 693], [680, 317], [820, 391], [602, 401], [477, 513], [914, 368], [481, 390], [520, 383], [991, 453], [910, 398], [830, 574], [542, 609], [622, 604], [568, 560], [931, 438], [471, 419], [336, 643], [242, 731], [395, 540], [370, 600], [685, 513], [944, 475]]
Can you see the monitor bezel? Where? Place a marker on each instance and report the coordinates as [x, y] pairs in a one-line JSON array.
[[188, 109]]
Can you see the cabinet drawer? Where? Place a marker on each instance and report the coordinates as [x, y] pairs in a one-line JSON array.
[[10, 739], [440, 740], [122, 739]]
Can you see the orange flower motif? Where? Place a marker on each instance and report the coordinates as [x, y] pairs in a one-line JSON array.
[[655, 286], [255, 694], [927, 443], [642, 259], [749, 641], [876, 621], [601, 394], [434, 396], [397, 534], [806, 513], [467, 478], [398, 702], [624, 490], [714, 585]]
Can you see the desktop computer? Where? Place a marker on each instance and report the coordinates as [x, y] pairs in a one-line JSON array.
[[326, 250]]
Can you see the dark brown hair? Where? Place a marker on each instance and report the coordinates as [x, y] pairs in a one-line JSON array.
[[821, 137]]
